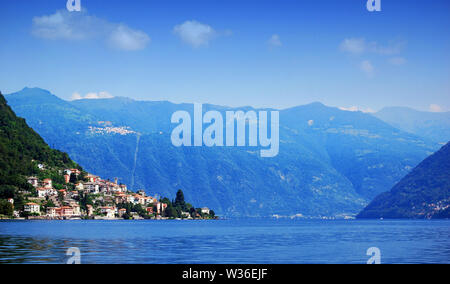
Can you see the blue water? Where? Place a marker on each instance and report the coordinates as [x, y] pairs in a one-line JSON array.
[[225, 241]]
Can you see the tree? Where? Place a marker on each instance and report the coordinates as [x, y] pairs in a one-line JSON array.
[[50, 204], [85, 200], [6, 208], [7, 191], [73, 178], [179, 201], [171, 212]]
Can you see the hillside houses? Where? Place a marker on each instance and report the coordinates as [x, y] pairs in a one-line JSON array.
[[107, 198], [87, 196]]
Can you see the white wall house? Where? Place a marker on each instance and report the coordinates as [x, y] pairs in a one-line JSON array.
[[32, 208]]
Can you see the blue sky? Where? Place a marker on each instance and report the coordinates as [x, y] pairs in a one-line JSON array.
[[232, 52]]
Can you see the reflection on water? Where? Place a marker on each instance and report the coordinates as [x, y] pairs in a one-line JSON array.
[[228, 241]]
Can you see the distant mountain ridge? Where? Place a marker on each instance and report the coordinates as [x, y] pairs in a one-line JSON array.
[[431, 125], [331, 162], [423, 194]]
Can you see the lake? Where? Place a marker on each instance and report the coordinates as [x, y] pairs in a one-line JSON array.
[[240, 241]]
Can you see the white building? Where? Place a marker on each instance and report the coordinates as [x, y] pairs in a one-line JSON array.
[[109, 211], [33, 181], [32, 208], [47, 183]]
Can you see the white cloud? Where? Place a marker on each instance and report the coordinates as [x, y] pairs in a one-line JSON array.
[[436, 108], [64, 25], [195, 34], [275, 41], [397, 61], [125, 38], [357, 108], [91, 96], [360, 45], [353, 45], [367, 67]]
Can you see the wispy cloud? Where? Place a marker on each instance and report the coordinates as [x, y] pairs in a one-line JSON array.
[[353, 45], [274, 41], [367, 67], [397, 61], [196, 34], [360, 45], [91, 96], [63, 25]]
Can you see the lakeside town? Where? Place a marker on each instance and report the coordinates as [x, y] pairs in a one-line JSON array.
[[87, 196]]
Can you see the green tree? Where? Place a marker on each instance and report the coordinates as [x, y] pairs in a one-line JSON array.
[[171, 212], [6, 208], [179, 201]]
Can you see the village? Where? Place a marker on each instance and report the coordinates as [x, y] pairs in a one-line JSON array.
[[91, 197]]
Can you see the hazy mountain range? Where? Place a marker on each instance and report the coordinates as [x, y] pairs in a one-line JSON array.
[[432, 125], [331, 162]]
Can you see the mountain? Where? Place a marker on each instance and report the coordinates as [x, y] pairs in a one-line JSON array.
[[331, 162], [21, 151], [431, 125], [423, 194]]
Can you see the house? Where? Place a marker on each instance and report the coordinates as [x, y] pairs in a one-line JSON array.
[[92, 178], [42, 192], [122, 212], [141, 192], [33, 181], [90, 210], [138, 199], [161, 207], [62, 192], [92, 187], [205, 210], [149, 210], [130, 199], [66, 178], [32, 208], [11, 200], [108, 211], [76, 210], [65, 211], [51, 212], [79, 186], [47, 183], [76, 172], [120, 198]]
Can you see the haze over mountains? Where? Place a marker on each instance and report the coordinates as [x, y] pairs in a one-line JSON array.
[[432, 125], [331, 162]]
